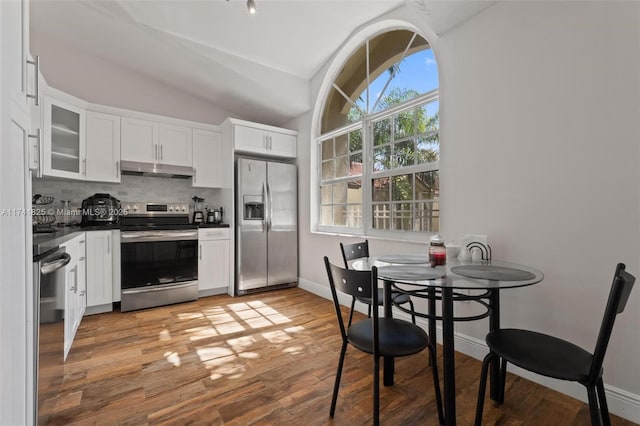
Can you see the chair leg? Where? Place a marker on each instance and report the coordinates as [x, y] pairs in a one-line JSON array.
[[353, 304], [436, 382], [336, 385], [594, 411], [483, 385], [369, 312], [376, 390], [413, 311], [503, 380], [604, 409]]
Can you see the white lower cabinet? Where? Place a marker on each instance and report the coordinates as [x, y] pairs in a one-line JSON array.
[[75, 289], [100, 249], [213, 261]]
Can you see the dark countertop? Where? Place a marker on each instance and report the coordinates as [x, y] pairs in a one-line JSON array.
[[214, 225], [42, 243]]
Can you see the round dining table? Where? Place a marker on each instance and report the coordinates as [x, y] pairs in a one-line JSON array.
[[458, 280]]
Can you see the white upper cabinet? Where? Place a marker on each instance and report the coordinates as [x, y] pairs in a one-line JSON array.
[[63, 140], [152, 142], [174, 145], [139, 140], [15, 23], [208, 159], [103, 147], [260, 139]]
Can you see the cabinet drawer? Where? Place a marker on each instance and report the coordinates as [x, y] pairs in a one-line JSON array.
[[209, 234]]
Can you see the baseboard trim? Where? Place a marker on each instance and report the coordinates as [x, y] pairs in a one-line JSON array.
[[621, 402]]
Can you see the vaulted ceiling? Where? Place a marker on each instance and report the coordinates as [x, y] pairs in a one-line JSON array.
[[257, 64]]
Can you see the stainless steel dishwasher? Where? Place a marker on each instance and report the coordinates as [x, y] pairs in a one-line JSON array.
[[49, 285]]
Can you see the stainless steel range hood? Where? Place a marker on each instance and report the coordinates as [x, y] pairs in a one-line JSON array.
[[158, 170]]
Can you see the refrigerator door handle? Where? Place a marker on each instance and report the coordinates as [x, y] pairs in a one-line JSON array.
[[266, 207], [269, 222]]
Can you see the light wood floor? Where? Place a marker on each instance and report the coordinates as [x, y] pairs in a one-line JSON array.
[[264, 359]]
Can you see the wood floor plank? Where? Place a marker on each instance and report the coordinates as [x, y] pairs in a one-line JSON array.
[[263, 359]]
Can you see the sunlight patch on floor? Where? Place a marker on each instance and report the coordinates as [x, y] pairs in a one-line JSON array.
[[173, 358], [228, 358]]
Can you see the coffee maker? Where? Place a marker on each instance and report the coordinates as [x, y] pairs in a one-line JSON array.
[[198, 210]]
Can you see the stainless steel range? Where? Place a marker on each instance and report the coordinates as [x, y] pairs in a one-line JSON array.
[[159, 255]]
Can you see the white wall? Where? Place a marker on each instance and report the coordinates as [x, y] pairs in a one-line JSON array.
[[93, 79], [539, 150]]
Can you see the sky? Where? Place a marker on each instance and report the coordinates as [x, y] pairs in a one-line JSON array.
[[418, 71]]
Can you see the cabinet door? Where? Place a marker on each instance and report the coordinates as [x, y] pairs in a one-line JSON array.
[[139, 140], [213, 264], [174, 145], [207, 159], [99, 268], [249, 139], [103, 147], [64, 140], [282, 145], [15, 45]]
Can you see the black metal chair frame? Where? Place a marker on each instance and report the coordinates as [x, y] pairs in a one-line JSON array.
[[367, 335], [361, 251], [591, 377]]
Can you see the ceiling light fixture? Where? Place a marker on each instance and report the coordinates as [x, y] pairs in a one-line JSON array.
[[251, 5]]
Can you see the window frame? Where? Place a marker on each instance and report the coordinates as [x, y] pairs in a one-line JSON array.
[[366, 124]]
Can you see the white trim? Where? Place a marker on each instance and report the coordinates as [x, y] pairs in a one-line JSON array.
[[621, 402]]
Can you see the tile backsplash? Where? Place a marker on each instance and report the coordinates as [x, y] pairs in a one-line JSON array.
[[131, 188]]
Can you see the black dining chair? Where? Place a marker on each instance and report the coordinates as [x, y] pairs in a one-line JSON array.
[[356, 251], [376, 336], [557, 358]]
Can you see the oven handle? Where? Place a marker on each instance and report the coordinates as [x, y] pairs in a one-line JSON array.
[[143, 236], [159, 288]]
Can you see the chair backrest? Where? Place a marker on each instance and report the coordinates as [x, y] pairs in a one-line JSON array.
[[362, 284], [354, 251], [618, 297]]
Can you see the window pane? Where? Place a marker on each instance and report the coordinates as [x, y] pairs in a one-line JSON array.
[[339, 193], [327, 149], [427, 185], [354, 215], [327, 170], [380, 189], [381, 216], [428, 149], [342, 166], [404, 153], [404, 125], [342, 142], [354, 192], [339, 215], [325, 194], [355, 164], [355, 140], [403, 216], [427, 216], [382, 132], [402, 188], [326, 215], [381, 158]]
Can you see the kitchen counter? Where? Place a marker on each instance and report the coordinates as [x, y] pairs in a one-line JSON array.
[[213, 225], [47, 241]]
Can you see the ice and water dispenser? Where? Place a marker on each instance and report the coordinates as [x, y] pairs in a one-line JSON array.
[[253, 207]]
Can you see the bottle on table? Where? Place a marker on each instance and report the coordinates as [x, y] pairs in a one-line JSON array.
[[437, 251]]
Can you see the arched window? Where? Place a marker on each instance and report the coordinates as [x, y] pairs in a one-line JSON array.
[[378, 152]]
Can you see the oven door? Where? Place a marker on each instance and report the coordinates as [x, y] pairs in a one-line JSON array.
[[158, 267]]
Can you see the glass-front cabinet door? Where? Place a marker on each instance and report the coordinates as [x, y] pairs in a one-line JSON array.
[[64, 140]]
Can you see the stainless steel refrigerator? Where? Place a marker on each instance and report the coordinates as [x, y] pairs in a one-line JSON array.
[[266, 225]]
